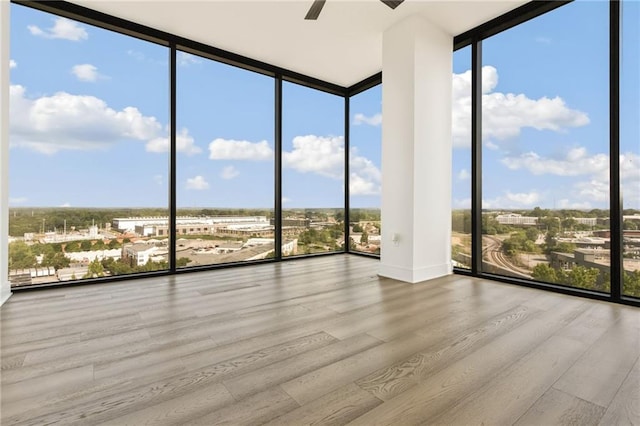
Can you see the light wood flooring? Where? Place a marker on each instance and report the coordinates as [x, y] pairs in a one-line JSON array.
[[316, 341]]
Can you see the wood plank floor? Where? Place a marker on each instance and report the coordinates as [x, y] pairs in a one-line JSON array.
[[316, 341]]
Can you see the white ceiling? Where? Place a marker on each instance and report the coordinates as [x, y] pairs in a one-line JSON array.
[[343, 46]]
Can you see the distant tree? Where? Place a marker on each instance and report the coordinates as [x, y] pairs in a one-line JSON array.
[[538, 212], [55, 259], [631, 283], [95, 269], [583, 277], [114, 244], [184, 261], [72, 247], [565, 247], [569, 223], [545, 273], [550, 240], [530, 247], [629, 225], [21, 256], [357, 227], [364, 238], [532, 234], [85, 245]]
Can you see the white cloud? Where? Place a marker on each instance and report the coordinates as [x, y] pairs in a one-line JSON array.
[[65, 205], [197, 183], [137, 55], [364, 178], [324, 156], [595, 190], [374, 120], [63, 28], [229, 172], [86, 72], [630, 169], [490, 145], [36, 31], [565, 203], [184, 143], [286, 200], [229, 149], [594, 169], [506, 114], [464, 203], [18, 200], [358, 185], [316, 154], [12, 63], [544, 40], [73, 122], [464, 174], [158, 179], [185, 59], [575, 163], [512, 200]]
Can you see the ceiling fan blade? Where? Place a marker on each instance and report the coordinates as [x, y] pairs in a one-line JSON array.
[[315, 9], [392, 3]]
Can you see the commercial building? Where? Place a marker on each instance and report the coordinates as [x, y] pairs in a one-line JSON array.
[[186, 224], [138, 254], [516, 219]]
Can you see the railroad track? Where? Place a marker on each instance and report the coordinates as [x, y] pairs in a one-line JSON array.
[[492, 253]]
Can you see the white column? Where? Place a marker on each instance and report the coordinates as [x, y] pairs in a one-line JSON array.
[[416, 151], [5, 287]]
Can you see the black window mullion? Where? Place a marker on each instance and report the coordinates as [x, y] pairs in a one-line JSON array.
[[172, 158], [615, 199], [347, 193], [476, 157], [278, 237]]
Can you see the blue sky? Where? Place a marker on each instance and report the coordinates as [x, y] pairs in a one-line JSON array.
[[90, 112], [92, 130], [546, 112]]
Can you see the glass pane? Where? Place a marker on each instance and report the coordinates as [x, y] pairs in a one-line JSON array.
[[545, 149], [82, 138], [461, 132], [313, 171], [225, 164], [630, 145], [365, 140]]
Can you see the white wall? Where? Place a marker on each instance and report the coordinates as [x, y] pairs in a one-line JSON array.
[[5, 289], [416, 151]]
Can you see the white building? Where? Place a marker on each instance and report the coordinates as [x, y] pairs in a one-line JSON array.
[[590, 221], [90, 256], [516, 219], [146, 224], [138, 254]]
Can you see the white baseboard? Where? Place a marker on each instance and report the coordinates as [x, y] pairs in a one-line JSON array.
[[4, 298], [414, 275]]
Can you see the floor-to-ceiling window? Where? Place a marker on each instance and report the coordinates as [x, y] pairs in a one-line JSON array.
[[365, 149], [630, 145], [461, 157], [545, 142], [88, 107], [225, 163], [313, 171]]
